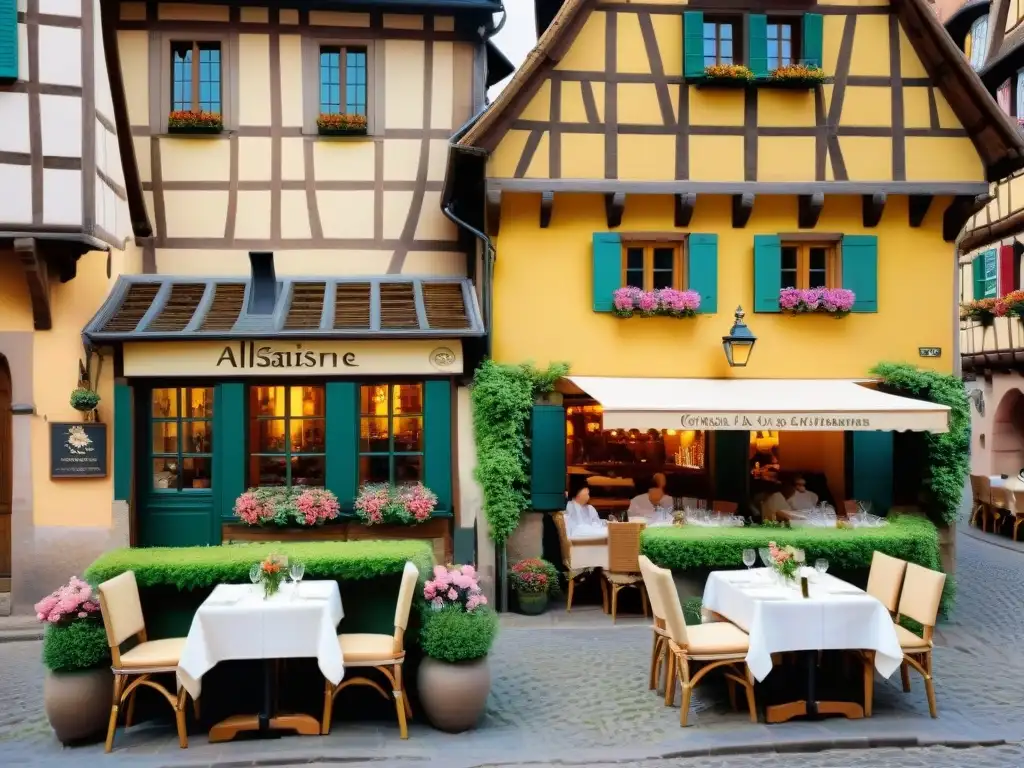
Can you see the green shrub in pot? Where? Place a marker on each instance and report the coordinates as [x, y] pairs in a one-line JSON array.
[[534, 581], [454, 635], [84, 400]]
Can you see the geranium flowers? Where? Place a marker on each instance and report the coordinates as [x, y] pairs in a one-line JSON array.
[[666, 301], [837, 302]]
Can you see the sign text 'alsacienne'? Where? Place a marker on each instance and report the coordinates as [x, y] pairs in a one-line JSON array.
[[248, 355], [770, 421]]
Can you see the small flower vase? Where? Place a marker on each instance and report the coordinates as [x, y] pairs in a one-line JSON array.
[[270, 587]]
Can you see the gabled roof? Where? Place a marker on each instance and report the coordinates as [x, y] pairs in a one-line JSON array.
[[996, 139], [181, 308]]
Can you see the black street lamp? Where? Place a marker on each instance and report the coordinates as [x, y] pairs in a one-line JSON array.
[[739, 343]]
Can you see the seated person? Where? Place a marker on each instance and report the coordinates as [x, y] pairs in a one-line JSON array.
[[660, 481], [777, 506], [802, 498], [653, 506], [581, 519]]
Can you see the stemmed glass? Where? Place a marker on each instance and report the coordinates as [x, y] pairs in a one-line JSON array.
[[297, 571], [821, 566], [254, 573], [749, 558]]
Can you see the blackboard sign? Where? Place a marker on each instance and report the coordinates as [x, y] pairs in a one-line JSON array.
[[78, 450]]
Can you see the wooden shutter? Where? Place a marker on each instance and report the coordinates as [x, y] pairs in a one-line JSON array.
[[811, 40], [8, 40], [1009, 270], [870, 456], [767, 272], [991, 274], [757, 44], [860, 270], [547, 458], [342, 441], [230, 454], [978, 276], [607, 269], [437, 441], [693, 44], [702, 257]]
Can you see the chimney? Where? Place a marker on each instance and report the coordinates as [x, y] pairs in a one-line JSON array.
[[263, 292]]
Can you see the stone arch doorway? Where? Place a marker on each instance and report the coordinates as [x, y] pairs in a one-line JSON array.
[[6, 475], [1008, 434]]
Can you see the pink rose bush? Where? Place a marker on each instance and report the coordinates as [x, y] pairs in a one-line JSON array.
[[665, 301], [837, 302], [454, 587], [72, 602], [284, 507], [402, 505]]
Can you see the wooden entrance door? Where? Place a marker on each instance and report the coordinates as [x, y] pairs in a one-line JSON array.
[[6, 476]]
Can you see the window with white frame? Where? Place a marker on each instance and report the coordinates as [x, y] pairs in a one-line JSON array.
[[979, 42]]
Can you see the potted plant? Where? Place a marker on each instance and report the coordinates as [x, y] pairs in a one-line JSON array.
[[728, 75], [341, 124], [533, 580], [85, 400], [837, 302], [406, 504], [797, 76], [78, 683], [457, 633], [194, 121], [286, 507]]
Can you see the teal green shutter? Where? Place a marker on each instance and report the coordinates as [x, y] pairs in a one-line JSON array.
[[8, 40], [229, 446], [991, 274], [124, 441], [547, 458], [978, 276], [811, 45], [607, 269], [703, 270], [342, 441], [860, 270], [757, 44], [437, 438], [767, 272], [693, 44], [732, 453], [872, 469]]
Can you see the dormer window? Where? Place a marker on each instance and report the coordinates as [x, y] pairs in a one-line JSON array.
[[978, 42]]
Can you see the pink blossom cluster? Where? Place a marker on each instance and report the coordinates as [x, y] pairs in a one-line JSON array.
[[456, 585], [419, 501], [833, 301], [317, 505], [373, 502], [402, 505], [665, 301], [72, 601], [253, 508]]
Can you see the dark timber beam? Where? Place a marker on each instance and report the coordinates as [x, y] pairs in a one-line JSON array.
[[684, 205], [809, 210], [919, 205], [614, 207], [493, 211], [742, 207], [547, 203], [959, 211], [37, 277], [872, 207]]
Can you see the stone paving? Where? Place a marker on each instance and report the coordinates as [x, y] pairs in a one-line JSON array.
[[572, 689]]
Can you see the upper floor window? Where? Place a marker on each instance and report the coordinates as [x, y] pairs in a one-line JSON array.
[[979, 42], [810, 265], [342, 80], [652, 266], [721, 42], [196, 76], [782, 44], [1018, 110], [286, 436], [182, 438]]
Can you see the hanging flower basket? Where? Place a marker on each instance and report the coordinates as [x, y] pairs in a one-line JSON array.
[[797, 76], [667, 302], [837, 302], [726, 76], [84, 399], [341, 124], [188, 121]]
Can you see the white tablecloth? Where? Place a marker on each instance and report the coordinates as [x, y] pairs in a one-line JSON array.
[[235, 622], [837, 615]]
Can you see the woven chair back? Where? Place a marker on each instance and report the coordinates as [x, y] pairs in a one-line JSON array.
[[563, 538], [624, 547], [981, 489]]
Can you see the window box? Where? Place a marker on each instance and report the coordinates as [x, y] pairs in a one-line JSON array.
[[837, 302], [795, 77], [194, 122], [725, 76], [666, 302], [341, 125]]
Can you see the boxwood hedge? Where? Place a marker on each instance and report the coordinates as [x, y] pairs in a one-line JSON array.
[[78, 646]]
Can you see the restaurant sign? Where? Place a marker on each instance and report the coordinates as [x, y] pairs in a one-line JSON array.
[[78, 450], [775, 421]]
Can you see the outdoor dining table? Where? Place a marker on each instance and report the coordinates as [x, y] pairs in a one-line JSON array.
[[836, 615], [236, 622]]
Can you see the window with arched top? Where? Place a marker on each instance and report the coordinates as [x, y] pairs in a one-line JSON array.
[[979, 42]]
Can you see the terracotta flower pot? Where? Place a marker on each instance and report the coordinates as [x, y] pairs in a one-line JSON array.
[[532, 603], [454, 696], [77, 704]]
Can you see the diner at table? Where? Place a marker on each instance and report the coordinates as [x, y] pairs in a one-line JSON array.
[[653, 506]]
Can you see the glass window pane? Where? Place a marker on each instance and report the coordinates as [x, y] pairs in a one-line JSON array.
[[307, 435], [311, 402], [165, 473], [407, 399], [726, 51], [408, 469], [788, 258], [374, 469], [267, 470], [816, 280], [662, 280], [196, 437], [773, 48], [788, 278], [373, 435], [787, 31], [165, 437], [267, 436], [373, 400], [725, 31], [196, 472], [710, 49], [773, 31], [635, 278], [267, 401], [199, 403], [664, 258], [409, 434], [165, 403], [819, 257], [308, 470], [634, 258]]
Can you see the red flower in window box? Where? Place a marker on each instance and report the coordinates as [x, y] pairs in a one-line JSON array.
[[194, 121], [798, 75], [341, 124]]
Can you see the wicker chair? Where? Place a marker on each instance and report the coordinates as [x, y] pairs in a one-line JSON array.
[[659, 653], [1018, 511], [981, 495], [624, 562], [581, 558], [725, 507], [1000, 505]]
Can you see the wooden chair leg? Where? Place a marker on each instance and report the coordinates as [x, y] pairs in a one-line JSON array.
[[129, 715], [652, 683], [905, 677], [731, 686], [179, 718], [751, 702], [568, 604], [643, 598], [195, 709], [929, 686], [403, 728], [325, 726], [684, 679], [119, 681], [615, 600], [869, 682], [670, 678], [604, 593]]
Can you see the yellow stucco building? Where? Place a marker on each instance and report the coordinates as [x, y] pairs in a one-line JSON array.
[[731, 154]]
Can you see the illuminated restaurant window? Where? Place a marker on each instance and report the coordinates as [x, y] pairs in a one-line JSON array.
[[390, 433], [650, 266], [810, 265], [286, 436], [182, 430], [589, 443]]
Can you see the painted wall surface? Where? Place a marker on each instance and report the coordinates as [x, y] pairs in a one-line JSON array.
[[324, 205], [997, 437], [666, 129], [543, 298], [59, 159]]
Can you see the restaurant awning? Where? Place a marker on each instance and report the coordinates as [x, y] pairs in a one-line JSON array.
[[756, 404]]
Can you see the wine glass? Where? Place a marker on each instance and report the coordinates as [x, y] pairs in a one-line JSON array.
[[297, 571], [254, 573], [821, 566], [766, 558], [749, 558]]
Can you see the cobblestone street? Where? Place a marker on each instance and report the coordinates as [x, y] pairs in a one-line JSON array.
[[576, 693]]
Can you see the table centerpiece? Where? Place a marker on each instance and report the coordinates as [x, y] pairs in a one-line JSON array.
[[786, 561], [272, 573]]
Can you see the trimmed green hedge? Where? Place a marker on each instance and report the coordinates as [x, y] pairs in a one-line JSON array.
[[453, 635], [194, 567], [78, 646]]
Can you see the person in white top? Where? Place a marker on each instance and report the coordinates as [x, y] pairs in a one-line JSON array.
[[802, 498], [777, 506], [581, 519], [653, 506]]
